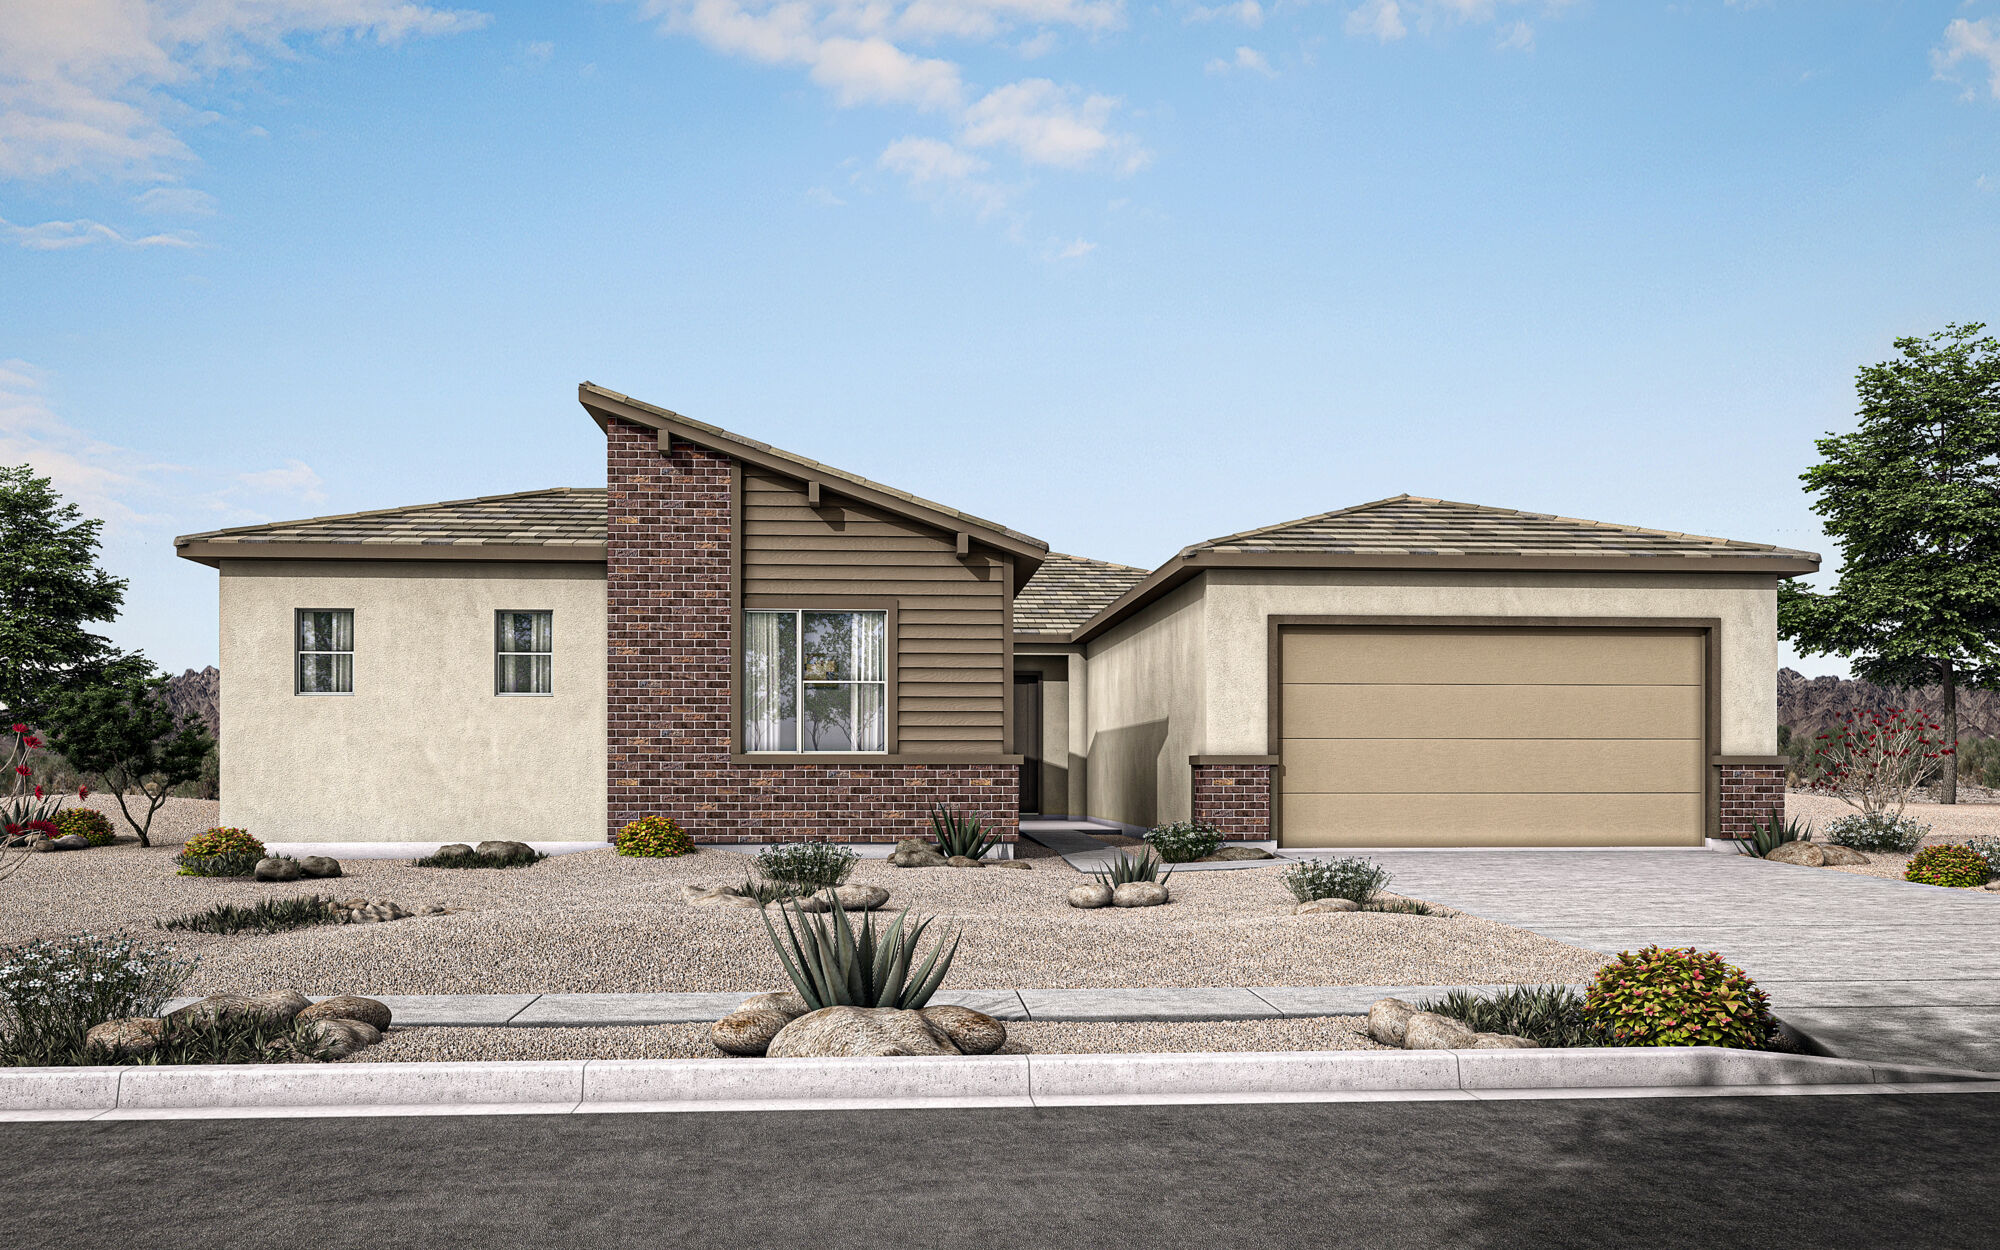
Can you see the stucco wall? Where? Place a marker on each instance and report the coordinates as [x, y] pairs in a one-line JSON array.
[[423, 750], [1238, 604], [1146, 698]]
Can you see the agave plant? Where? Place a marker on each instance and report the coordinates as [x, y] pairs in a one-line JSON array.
[[1773, 834], [830, 965], [1141, 867], [769, 892], [960, 835]]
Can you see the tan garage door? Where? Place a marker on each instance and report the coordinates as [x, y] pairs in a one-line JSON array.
[[1482, 736]]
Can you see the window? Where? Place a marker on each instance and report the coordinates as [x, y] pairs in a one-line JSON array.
[[523, 653], [814, 681], [325, 651]]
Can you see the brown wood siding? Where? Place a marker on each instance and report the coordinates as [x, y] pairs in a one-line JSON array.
[[952, 682]]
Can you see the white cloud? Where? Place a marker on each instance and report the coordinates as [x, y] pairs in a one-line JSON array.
[[875, 71], [1038, 45], [296, 480], [1970, 41], [176, 201], [537, 53], [87, 86], [1245, 59], [1047, 124], [1076, 250], [1248, 12], [938, 170], [1382, 19], [1520, 37], [56, 236], [824, 198], [1389, 20]]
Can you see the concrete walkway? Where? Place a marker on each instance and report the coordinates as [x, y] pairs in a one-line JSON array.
[[1077, 843], [1873, 969]]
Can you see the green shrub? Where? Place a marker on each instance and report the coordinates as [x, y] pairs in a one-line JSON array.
[[833, 966], [53, 990], [1772, 834], [1987, 849], [655, 837], [1548, 1015], [1879, 832], [1400, 907], [444, 858], [1185, 841], [1356, 880], [270, 916], [1144, 866], [92, 825], [960, 835], [1949, 865], [220, 852], [231, 1039], [1680, 997], [809, 865]]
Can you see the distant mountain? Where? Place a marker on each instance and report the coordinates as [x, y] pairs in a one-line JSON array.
[[1811, 705], [198, 694]]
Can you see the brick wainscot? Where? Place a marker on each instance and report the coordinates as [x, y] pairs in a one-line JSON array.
[[667, 584], [1749, 793], [1235, 797]]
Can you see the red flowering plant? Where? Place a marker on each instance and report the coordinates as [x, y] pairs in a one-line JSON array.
[[1874, 761], [26, 812]]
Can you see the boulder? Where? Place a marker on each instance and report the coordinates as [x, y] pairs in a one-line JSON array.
[[277, 1007], [274, 869], [1008, 863], [505, 850], [1804, 854], [1229, 853], [973, 1032], [72, 842], [124, 1039], [916, 853], [361, 911], [433, 909], [1993, 885], [833, 1032], [349, 1007], [852, 898], [1320, 906], [1427, 1031], [41, 844], [965, 861], [319, 866], [1843, 855], [787, 1001], [342, 1038], [1502, 1041], [1387, 1019], [1090, 894], [717, 896], [748, 1030], [454, 848], [1140, 894]]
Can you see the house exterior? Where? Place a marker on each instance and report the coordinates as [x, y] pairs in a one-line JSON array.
[[770, 649]]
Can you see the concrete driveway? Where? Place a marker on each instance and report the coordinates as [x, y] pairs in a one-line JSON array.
[[1872, 968]]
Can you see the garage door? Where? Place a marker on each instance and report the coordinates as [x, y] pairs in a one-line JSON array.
[[1491, 737]]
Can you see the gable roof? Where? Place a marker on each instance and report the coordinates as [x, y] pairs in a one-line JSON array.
[[561, 523], [1068, 590]]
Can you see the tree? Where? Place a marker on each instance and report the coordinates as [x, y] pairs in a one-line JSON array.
[[121, 731], [1913, 498], [50, 587]]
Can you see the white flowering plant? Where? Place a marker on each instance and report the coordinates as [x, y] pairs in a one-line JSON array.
[[53, 990]]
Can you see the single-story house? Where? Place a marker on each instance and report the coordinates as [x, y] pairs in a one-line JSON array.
[[766, 648]]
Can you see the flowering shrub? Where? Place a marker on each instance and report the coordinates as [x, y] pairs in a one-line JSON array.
[[1185, 841], [1950, 865], [1878, 832], [25, 813], [87, 822], [1987, 849], [53, 990], [220, 852], [1356, 880], [1873, 761], [1681, 997], [654, 836]]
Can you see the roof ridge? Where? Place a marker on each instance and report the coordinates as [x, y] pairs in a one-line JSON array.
[[1491, 510], [1317, 516], [1109, 564], [375, 512]]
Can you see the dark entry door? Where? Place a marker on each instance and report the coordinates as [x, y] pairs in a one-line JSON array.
[[1028, 739]]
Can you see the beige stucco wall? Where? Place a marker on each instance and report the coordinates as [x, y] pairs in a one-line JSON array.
[[1147, 690], [423, 750]]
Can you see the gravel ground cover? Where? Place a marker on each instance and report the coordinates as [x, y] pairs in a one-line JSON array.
[[690, 1041], [599, 922], [1955, 823]]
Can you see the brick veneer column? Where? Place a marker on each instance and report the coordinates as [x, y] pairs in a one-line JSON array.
[[668, 716], [1749, 792], [1235, 798]]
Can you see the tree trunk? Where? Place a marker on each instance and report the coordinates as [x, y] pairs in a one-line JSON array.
[[1948, 775]]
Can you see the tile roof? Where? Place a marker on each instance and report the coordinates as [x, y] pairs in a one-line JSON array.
[[1068, 590], [1414, 526], [564, 516]]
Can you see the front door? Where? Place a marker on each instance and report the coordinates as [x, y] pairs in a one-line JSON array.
[[1028, 739]]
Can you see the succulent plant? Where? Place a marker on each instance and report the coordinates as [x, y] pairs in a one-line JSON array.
[[831, 965]]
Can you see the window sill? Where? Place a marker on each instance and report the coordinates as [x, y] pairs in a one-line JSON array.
[[524, 694], [322, 694], [871, 757]]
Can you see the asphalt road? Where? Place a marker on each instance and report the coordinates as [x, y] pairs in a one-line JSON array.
[[1904, 1171]]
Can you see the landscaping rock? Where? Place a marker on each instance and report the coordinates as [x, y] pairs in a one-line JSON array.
[[1090, 894], [41, 844], [916, 853], [1502, 1041], [852, 898], [1843, 855], [343, 1037], [1230, 853], [275, 869], [1008, 863], [787, 1001], [72, 842], [1993, 885], [1428, 1031], [361, 911], [277, 1007], [124, 1039], [1140, 894], [1387, 1020], [349, 1007], [832, 1032], [717, 896], [965, 861], [748, 1030], [973, 1032], [1804, 854], [506, 850], [1320, 906], [319, 866], [454, 848]]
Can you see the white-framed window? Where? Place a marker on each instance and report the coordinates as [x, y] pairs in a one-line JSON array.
[[523, 652], [815, 681], [324, 641]]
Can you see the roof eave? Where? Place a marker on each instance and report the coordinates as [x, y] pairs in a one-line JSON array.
[[212, 554]]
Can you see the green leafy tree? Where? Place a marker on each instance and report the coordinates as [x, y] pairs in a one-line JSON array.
[[121, 731], [1913, 498], [50, 589]]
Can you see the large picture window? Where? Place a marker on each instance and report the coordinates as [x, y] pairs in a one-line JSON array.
[[325, 646], [524, 653], [815, 681]]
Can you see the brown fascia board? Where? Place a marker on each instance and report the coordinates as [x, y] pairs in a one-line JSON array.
[[603, 405], [214, 553], [1188, 563]]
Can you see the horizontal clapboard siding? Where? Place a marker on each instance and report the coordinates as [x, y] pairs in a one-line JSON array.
[[951, 679]]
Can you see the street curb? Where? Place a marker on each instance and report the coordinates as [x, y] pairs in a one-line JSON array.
[[1023, 1081]]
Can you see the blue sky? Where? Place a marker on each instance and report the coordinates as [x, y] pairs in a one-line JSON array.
[[1124, 276]]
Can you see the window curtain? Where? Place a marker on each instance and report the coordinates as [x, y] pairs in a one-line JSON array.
[[770, 681], [524, 643], [326, 652]]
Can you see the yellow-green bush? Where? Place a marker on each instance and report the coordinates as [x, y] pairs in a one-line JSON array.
[[1948, 865], [220, 852], [1678, 997], [655, 837], [92, 825]]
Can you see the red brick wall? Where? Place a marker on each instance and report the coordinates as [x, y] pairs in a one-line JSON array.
[[1235, 798], [668, 715], [1749, 792]]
